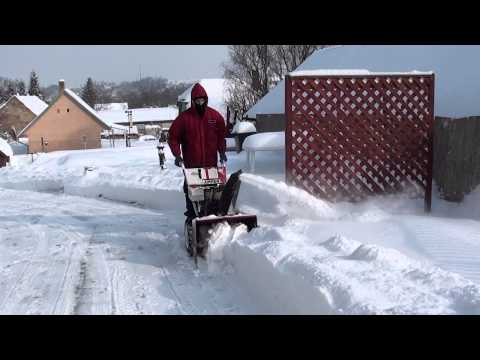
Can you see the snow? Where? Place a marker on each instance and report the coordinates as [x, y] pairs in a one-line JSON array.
[[216, 90], [5, 148], [33, 103], [242, 127], [347, 72], [265, 141], [100, 232], [457, 80]]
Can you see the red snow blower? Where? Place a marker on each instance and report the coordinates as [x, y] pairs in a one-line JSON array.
[[214, 201]]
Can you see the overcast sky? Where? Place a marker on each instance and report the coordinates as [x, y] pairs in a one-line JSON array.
[[75, 63]]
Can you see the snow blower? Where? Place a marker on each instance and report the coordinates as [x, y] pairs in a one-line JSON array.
[[214, 201]]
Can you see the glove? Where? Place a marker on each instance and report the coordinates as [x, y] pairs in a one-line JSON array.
[[223, 157], [178, 161]]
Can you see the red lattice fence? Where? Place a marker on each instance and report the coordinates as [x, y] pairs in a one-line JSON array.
[[349, 137]]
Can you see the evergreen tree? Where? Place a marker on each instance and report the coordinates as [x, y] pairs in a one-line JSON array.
[[21, 89], [34, 88], [89, 94], [11, 89]]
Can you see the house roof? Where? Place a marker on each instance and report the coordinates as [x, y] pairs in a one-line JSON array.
[[111, 107], [140, 115], [76, 99], [31, 102], [216, 90], [457, 79]]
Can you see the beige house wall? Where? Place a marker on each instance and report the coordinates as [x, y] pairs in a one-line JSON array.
[[64, 126], [15, 114]]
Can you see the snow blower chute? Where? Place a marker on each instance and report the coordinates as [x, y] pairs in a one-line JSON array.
[[214, 201]]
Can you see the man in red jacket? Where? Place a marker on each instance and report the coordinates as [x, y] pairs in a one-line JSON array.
[[196, 136]]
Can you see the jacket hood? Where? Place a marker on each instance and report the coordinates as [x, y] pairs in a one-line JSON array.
[[198, 91]]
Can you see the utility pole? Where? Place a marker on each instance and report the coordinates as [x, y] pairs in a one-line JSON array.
[[129, 116]]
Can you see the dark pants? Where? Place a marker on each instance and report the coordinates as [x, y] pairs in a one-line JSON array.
[[190, 213]]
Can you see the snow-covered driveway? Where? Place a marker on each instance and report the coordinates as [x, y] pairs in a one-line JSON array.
[[62, 254]]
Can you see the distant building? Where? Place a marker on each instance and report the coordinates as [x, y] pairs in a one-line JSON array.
[[19, 111], [111, 107], [146, 120], [67, 124]]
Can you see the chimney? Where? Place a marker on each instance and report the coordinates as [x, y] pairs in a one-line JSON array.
[[61, 86]]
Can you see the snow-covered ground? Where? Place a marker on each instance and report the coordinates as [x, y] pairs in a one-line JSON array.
[[100, 231]]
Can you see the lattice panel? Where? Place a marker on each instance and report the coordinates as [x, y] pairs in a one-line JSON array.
[[350, 137]]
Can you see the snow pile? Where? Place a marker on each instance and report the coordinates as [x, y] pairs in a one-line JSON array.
[[312, 257], [242, 127], [341, 276], [265, 141], [5, 148]]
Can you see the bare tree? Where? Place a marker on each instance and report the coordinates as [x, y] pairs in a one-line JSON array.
[[254, 69]]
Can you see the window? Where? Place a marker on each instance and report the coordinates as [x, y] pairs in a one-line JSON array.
[[68, 110]]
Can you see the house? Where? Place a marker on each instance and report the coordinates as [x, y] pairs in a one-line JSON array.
[[146, 120], [216, 90], [68, 123], [457, 79], [111, 107], [5, 153], [19, 111]]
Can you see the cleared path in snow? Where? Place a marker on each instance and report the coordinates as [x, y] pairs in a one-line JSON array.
[[63, 254]]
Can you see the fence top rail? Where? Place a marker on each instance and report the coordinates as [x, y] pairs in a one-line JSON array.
[[310, 74]]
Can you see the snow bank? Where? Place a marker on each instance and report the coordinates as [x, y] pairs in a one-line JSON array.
[[265, 141], [5, 148], [382, 256], [243, 127], [338, 276]]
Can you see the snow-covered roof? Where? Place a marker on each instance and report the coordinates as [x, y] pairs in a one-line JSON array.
[[353, 72], [216, 91], [85, 106], [31, 102], [457, 79], [120, 130], [5, 148], [140, 115], [242, 127], [111, 107]]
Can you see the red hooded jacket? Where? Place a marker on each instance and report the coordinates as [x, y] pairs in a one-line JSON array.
[[198, 137]]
